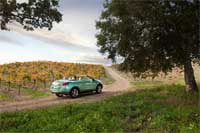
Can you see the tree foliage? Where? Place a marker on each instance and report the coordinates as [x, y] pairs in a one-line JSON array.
[[151, 35], [31, 14]]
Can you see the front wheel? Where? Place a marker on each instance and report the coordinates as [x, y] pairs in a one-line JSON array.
[[99, 89], [74, 93]]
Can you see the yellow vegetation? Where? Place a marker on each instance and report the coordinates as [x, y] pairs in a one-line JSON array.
[[46, 71]]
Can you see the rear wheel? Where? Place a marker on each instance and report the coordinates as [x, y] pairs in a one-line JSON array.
[[99, 89], [74, 93], [59, 95]]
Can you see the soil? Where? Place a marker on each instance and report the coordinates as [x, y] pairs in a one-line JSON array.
[[120, 85]]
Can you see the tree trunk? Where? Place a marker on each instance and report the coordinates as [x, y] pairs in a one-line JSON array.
[[4, 20], [190, 81]]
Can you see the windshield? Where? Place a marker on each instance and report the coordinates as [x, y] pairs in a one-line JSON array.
[[79, 78], [72, 78]]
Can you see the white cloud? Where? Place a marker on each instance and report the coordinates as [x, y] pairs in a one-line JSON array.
[[72, 40]]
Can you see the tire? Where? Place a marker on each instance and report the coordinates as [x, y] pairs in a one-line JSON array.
[[74, 93], [99, 89], [59, 95]]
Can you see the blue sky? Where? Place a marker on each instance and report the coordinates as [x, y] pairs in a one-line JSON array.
[[72, 40]]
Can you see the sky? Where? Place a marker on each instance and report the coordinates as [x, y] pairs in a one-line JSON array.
[[72, 40]]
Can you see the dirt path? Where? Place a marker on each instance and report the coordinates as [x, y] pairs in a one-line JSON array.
[[120, 85]]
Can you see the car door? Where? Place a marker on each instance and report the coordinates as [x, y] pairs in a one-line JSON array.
[[82, 85], [88, 84], [91, 84]]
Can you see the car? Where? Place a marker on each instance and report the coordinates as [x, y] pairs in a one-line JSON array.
[[75, 85]]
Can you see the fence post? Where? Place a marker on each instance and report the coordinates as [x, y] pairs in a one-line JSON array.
[[45, 84], [8, 85], [34, 84], [19, 89]]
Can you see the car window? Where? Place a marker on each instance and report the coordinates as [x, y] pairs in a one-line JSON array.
[[79, 78], [72, 78]]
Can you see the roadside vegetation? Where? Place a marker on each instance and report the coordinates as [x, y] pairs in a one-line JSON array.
[[162, 108], [12, 91], [4, 96]]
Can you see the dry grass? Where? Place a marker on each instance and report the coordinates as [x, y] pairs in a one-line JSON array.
[[174, 77]]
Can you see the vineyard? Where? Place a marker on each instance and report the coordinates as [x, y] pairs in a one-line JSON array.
[[42, 73]]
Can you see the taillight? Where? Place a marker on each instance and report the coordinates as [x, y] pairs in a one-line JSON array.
[[65, 84]]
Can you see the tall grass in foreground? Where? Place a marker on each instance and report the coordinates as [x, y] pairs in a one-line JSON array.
[[159, 109]]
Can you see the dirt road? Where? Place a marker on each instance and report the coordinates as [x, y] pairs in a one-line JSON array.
[[120, 85]]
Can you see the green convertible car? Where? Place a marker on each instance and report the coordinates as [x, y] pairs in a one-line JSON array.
[[76, 85]]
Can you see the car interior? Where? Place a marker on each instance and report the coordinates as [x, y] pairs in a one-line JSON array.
[[79, 78]]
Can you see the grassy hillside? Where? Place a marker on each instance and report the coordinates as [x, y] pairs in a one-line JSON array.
[[160, 109], [176, 76]]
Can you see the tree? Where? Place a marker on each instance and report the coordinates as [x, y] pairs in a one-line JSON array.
[[152, 35], [31, 14]]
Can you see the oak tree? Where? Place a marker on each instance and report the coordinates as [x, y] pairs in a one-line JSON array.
[[152, 36], [30, 14]]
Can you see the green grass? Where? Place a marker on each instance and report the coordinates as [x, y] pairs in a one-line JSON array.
[[4, 96], [107, 79], [147, 84], [160, 109], [31, 92], [34, 93]]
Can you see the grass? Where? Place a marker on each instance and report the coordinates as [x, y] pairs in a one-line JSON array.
[[34, 93], [107, 79], [165, 108], [4, 96], [27, 91], [147, 84]]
